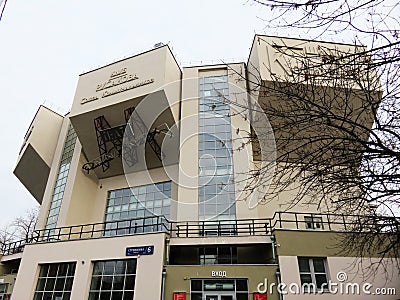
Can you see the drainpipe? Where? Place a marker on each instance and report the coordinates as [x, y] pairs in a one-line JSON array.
[[164, 273], [163, 284], [167, 251], [273, 240], [278, 279]]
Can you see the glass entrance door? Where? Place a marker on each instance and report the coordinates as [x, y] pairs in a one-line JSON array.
[[217, 296], [219, 289]]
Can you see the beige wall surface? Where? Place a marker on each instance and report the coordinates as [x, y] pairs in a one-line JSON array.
[[178, 277], [369, 288], [84, 253], [43, 133], [316, 243], [188, 158], [272, 55], [37, 151]]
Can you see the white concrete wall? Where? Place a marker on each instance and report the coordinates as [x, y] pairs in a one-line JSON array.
[[84, 253]]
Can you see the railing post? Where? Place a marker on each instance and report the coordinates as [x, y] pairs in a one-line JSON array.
[[236, 227], [280, 219], [344, 222], [312, 221], [329, 222], [187, 229], [297, 221]]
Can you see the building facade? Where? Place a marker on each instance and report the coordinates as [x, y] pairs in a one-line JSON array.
[[143, 191]]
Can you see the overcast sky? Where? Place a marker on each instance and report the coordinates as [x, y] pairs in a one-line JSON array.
[[46, 44]]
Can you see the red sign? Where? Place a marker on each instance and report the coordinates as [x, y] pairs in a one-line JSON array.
[[260, 296], [179, 296]]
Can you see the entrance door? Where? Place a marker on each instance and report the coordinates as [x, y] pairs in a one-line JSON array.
[[217, 296]]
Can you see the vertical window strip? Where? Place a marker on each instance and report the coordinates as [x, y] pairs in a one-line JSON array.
[[216, 185], [61, 180]]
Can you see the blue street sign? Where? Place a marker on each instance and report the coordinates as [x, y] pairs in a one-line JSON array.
[[143, 250]]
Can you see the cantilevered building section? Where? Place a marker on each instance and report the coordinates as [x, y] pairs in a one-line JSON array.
[[142, 196]]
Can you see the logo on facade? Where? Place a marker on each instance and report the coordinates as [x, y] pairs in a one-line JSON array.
[[113, 86]]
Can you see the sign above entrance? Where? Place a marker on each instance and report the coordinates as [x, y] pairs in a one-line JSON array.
[[218, 273], [143, 250]]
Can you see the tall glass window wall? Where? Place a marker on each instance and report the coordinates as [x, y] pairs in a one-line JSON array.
[[138, 209], [216, 185], [61, 181]]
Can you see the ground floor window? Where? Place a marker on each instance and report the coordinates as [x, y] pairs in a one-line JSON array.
[[219, 289], [3, 291], [55, 281], [113, 279], [313, 271]]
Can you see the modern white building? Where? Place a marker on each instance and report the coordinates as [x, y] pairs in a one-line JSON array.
[[142, 194]]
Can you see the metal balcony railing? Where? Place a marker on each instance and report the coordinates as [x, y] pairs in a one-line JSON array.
[[246, 227], [89, 231], [221, 228]]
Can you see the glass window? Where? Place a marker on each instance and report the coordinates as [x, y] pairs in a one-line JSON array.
[[215, 149], [218, 255], [313, 270], [148, 201], [313, 222], [61, 181], [113, 279], [55, 281], [3, 290]]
